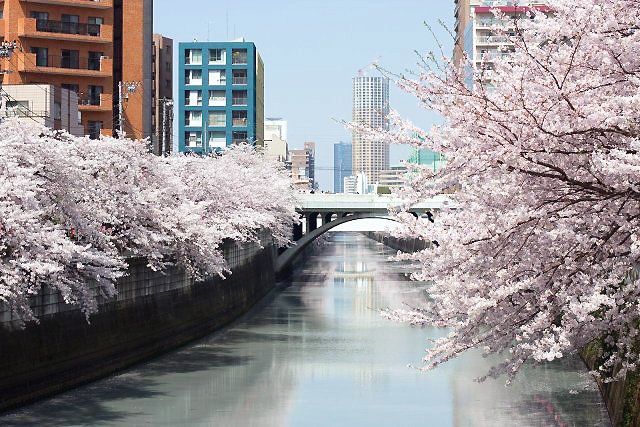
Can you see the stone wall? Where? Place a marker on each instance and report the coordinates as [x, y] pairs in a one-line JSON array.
[[153, 312]]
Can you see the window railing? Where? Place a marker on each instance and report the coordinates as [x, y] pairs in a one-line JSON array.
[[70, 62], [90, 100], [239, 80], [48, 26], [239, 101], [240, 121]]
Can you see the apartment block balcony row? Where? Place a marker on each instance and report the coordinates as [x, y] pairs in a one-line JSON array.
[[67, 31], [92, 4], [65, 65]]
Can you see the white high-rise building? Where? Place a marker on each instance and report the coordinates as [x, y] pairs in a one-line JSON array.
[[370, 108]]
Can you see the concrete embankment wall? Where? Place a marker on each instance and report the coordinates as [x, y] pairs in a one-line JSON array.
[[153, 312], [622, 398]]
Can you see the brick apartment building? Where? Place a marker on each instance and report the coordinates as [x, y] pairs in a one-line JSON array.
[[82, 45]]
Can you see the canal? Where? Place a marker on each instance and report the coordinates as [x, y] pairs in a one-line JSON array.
[[317, 353]]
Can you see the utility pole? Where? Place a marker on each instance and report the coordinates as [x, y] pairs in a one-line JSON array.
[[6, 51], [124, 89]]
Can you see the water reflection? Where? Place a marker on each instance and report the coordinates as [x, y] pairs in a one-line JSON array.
[[319, 354]]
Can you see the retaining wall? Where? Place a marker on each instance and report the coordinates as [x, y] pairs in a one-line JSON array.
[[153, 312], [404, 245]]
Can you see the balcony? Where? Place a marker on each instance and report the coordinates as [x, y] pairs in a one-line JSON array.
[[493, 40], [62, 65], [101, 103], [92, 4], [239, 80], [68, 31], [240, 122]]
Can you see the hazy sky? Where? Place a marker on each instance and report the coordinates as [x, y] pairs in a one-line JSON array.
[[311, 50]]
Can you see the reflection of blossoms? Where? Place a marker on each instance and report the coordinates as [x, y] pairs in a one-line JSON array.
[[544, 160], [72, 209]]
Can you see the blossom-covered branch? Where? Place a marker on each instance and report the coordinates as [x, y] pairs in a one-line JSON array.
[[543, 149], [73, 209]]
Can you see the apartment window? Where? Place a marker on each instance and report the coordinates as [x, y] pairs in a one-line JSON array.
[[94, 60], [193, 139], [72, 87], [239, 97], [217, 98], [70, 59], [239, 137], [217, 139], [217, 118], [193, 77], [217, 56], [94, 127], [239, 56], [217, 77], [42, 56], [193, 118], [94, 93], [93, 26], [193, 56], [193, 97], [40, 16], [239, 77], [239, 118], [70, 24]]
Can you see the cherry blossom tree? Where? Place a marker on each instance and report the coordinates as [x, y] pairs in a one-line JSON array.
[[537, 255], [72, 210]]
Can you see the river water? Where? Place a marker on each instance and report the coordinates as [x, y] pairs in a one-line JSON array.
[[317, 353]]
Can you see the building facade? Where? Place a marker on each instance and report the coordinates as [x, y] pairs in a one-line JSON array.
[[221, 95], [162, 95], [275, 139], [303, 167], [371, 109], [342, 165], [50, 106], [82, 46], [475, 31]]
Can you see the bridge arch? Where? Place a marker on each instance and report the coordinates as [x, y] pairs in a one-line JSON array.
[[286, 258]]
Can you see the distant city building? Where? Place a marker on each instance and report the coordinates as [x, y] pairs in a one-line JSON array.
[[301, 165], [221, 95], [371, 109], [311, 149], [392, 178], [356, 184], [48, 105], [342, 165], [88, 47], [275, 139], [428, 158], [162, 119], [275, 126]]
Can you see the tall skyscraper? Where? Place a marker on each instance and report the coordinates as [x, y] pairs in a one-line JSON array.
[[370, 108], [221, 95], [87, 47], [342, 165]]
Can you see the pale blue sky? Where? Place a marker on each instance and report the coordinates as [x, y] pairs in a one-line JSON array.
[[311, 50]]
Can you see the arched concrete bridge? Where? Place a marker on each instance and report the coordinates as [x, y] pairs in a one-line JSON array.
[[335, 209]]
